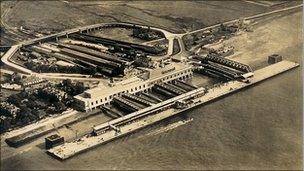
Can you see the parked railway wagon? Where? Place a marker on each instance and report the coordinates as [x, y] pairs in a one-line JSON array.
[[98, 54], [109, 42], [107, 67]]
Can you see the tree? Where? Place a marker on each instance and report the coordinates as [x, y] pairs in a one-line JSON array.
[[4, 112], [31, 104], [30, 65], [79, 88], [69, 101], [142, 61], [67, 82], [14, 99], [5, 124], [16, 78], [60, 106], [23, 94], [32, 98], [52, 98], [23, 116]]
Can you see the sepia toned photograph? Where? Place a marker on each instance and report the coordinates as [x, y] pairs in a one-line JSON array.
[[151, 85]]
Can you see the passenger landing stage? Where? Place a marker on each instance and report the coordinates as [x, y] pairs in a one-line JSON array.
[[147, 116]]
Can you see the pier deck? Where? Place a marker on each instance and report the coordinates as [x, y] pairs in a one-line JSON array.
[[70, 149]]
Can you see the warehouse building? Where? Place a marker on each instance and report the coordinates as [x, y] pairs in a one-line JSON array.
[[103, 94]]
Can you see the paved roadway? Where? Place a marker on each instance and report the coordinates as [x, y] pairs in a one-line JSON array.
[[6, 60], [168, 35], [248, 18], [6, 57]]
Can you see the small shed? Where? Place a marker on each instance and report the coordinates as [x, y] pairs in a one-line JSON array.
[[53, 140], [275, 58]]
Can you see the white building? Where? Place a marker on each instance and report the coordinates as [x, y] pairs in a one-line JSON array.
[[103, 94]]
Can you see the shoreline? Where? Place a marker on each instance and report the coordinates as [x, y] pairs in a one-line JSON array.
[[70, 149]]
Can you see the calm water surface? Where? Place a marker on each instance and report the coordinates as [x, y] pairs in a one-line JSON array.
[[257, 128]]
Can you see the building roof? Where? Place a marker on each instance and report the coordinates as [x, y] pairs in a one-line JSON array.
[[107, 89]]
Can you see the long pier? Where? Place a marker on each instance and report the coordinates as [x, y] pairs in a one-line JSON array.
[[147, 116]]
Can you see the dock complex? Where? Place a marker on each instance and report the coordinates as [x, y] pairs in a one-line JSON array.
[[137, 120], [132, 84]]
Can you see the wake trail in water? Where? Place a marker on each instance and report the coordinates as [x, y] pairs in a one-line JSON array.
[[166, 128]]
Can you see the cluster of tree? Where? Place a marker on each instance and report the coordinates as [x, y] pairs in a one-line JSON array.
[[5, 124], [33, 107], [48, 96], [4, 112], [2, 30], [145, 34], [16, 99], [27, 115], [59, 69], [14, 78], [71, 88], [38, 99], [142, 61], [224, 29]]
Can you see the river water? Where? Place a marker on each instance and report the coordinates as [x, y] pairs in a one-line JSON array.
[[257, 128]]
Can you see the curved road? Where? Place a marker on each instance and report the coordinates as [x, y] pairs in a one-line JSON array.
[[168, 35]]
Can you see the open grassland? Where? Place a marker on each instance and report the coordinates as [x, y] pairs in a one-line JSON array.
[[176, 16], [260, 128]]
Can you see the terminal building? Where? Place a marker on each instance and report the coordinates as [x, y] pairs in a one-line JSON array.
[[103, 94]]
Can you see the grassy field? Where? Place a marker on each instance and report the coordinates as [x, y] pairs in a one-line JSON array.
[[259, 128], [179, 16]]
